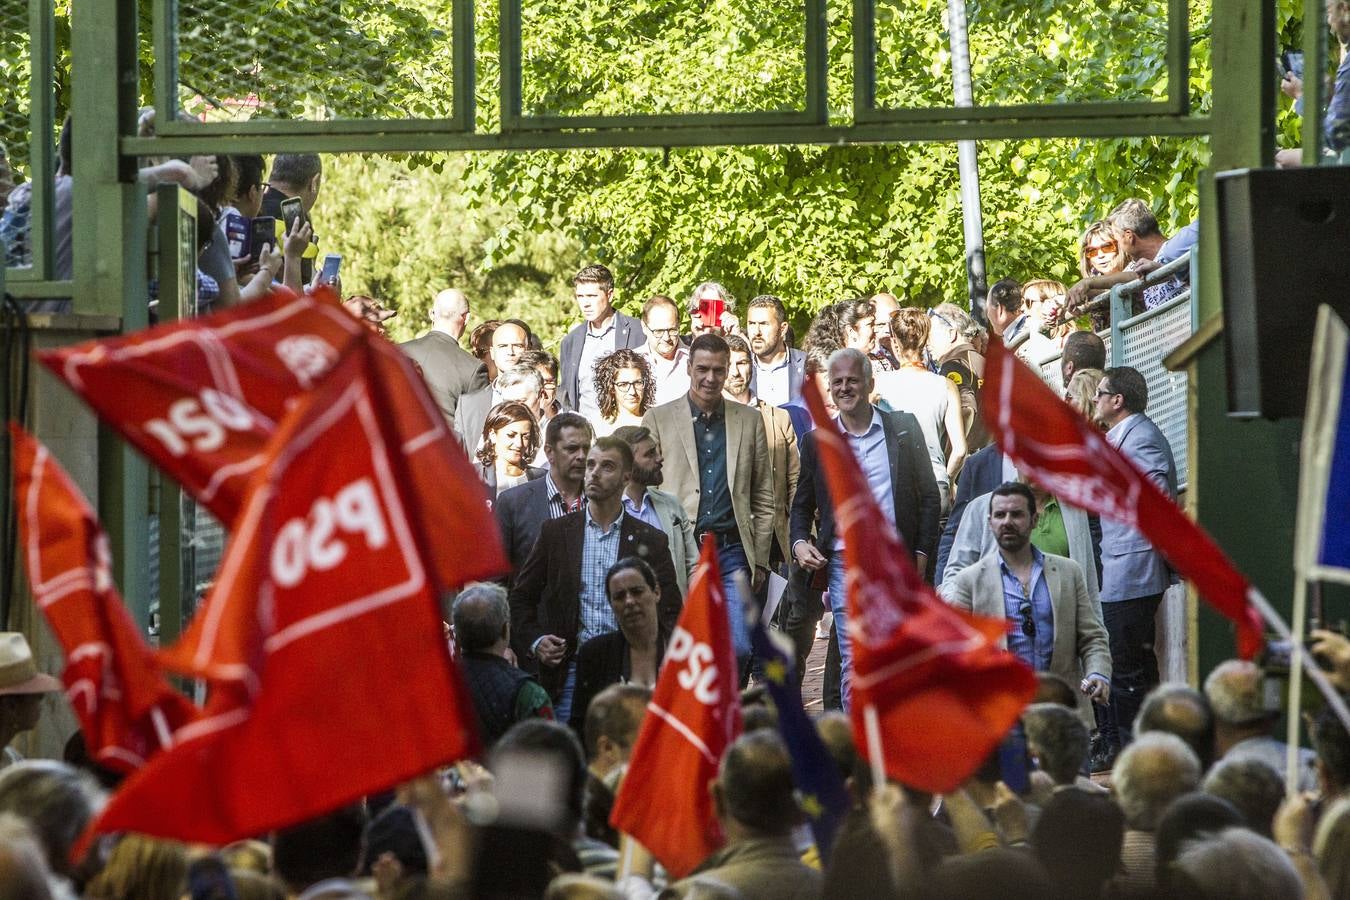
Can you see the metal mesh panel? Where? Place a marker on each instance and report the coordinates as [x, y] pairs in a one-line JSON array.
[[1050, 368], [1146, 340], [724, 55], [314, 59]]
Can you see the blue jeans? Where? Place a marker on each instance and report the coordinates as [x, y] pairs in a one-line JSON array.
[[839, 606], [731, 559]]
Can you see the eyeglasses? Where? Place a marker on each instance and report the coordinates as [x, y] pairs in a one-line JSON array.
[[1104, 392], [628, 386], [1101, 249], [1028, 623], [668, 332], [941, 318]]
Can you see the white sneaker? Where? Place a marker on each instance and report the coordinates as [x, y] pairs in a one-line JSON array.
[[823, 626]]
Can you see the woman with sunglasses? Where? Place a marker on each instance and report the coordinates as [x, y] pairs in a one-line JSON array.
[[624, 389], [1101, 255]]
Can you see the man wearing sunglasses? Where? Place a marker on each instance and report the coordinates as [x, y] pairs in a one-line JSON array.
[[1056, 620]]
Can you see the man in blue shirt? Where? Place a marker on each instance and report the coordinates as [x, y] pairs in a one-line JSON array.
[[1056, 620]]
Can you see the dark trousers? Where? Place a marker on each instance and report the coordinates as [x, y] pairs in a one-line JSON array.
[[798, 614], [1134, 664]]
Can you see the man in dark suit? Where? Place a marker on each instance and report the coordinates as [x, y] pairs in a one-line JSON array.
[[521, 511], [1134, 573], [604, 330], [558, 601], [448, 369], [779, 370], [890, 449]]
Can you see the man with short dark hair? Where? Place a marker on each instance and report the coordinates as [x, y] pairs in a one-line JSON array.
[[1082, 350], [559, 599], [1134, 574], [449, 370], [1058, 738], [890, 450], [609, 732], [295, 175], [521, 511], [665, 353], [778, 370], [784, 460], [658, 508], [1005, 309], [502, 694], [717, 462], [1056, 624], [603, 331], [757, 809]]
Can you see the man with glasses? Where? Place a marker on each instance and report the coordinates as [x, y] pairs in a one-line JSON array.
[[667, 357], [1056, 622], [1134, 574]]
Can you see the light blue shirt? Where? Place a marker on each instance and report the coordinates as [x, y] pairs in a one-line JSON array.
[[599, 551], [1034, 651], [644, 513], [869, 448], [594, 346]]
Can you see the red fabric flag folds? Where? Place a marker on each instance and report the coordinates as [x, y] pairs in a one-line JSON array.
[[694, 715], [127, 710], [201, 399], [1070, 457], [321, 636], [944, 691]]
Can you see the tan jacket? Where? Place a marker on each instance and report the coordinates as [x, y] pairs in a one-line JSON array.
[[784, 465], [748, 469], [1081, 645]]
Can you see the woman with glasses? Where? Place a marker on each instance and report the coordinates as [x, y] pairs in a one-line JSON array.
[[624, 389], [934, 400], [510, 441], [1101, 253]]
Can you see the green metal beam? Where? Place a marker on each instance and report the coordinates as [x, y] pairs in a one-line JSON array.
[[207, 139], [1314, 65]]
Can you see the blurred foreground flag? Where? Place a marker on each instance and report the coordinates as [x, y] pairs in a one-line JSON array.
[[321, 638], [1322, 542], [944, 692], [127, 710], [824, 798], [1071, 458], [693, 717]]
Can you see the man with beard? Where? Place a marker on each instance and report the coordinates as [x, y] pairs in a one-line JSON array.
[[559, 599], [1056, 624], [778, 370], [658, 508], [784, 461]]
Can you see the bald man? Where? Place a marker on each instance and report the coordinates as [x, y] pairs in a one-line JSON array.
[[449, 370]]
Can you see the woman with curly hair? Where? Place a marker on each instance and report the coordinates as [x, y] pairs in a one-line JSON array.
[[625, 389], [510, 440]]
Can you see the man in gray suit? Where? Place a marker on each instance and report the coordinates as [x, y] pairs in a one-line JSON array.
[[449, 370], [604, 331], [1056, 620], [1134, 574]]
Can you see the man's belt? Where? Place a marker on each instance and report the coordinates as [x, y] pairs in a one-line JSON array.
[[730, 538]]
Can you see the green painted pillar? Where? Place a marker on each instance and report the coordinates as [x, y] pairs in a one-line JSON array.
[[109, 245], [1244, 473]]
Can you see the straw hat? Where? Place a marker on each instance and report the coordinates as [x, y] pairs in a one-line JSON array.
[[18, 672]]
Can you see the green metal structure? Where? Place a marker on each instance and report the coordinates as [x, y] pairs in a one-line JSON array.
[[110, 242]]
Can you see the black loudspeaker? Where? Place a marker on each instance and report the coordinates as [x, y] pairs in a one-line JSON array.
[[1284, 238]]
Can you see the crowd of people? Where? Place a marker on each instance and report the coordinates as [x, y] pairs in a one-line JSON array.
[[608, 465]]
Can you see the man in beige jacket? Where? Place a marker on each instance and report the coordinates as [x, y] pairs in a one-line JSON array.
[[1056, 622], [716, 461]]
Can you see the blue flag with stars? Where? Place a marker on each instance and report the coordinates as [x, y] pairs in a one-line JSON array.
[[824, 798]]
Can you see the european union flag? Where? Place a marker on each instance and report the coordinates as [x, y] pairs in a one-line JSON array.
[[823, 795], [1323, 536]]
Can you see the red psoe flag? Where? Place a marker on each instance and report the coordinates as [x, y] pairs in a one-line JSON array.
[[1070, 457], [694, 715], [127, 710], [944, 692], [201, 399], [321, 638]]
